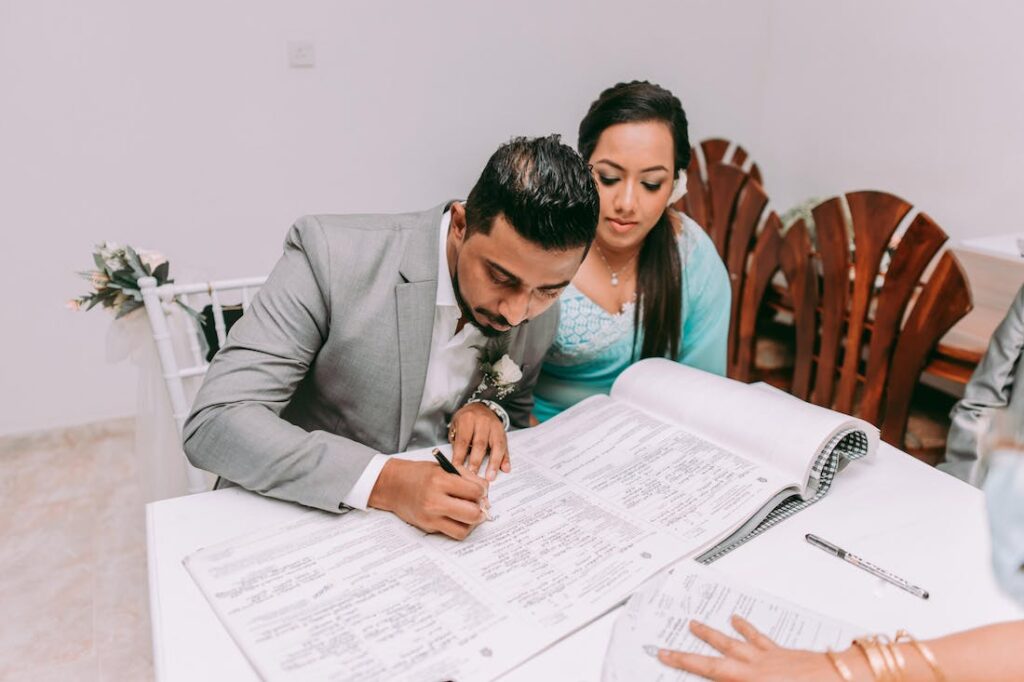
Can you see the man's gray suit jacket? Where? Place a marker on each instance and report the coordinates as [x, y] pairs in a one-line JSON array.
[[995, 385], [326, 368]]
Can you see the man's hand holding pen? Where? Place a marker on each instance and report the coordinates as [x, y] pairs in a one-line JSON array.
[[429, 497]]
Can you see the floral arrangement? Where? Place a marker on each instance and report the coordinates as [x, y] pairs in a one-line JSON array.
[[115, 281]]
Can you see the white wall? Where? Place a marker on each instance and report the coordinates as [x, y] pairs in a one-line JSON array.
[[922, 99], [179, 127]]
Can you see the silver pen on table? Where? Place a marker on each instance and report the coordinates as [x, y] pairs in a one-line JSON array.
[[885, 575]]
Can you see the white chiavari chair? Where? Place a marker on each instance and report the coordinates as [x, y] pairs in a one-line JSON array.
[[180, 367]]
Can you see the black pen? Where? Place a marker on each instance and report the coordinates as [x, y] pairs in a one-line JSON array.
[[450, 468]]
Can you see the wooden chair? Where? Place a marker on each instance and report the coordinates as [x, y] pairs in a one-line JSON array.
[[862, 333], [740, 206], [718, 150], [696, 203]]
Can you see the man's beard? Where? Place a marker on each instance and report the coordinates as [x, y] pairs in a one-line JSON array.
[[470, 316]]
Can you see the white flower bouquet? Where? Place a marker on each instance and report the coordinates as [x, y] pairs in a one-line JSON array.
[[115, 281]]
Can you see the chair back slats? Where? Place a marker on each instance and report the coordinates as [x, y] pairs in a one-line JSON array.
[[834, 255], [750, 206], [724, 185], [798, 267], [916, 249], [159, 310], [695, 202], [943, 300], [193, 336], [714, 150], [764, 263], [867, 308], [875, 217], [739, 156], [755, 173]]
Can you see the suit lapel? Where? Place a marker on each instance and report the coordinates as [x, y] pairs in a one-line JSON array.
[[416, 299], [416, 303]]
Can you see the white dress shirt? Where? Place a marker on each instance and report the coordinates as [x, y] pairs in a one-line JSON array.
[[449, 371]]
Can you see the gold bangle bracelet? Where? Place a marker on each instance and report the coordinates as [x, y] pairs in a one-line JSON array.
[[892, 665], [844, 670], [901, 663], [875, 660], [926, 653]]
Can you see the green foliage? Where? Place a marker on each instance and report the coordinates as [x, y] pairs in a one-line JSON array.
[[115, 281]]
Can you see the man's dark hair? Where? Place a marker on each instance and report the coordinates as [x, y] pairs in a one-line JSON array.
[[543, 188]]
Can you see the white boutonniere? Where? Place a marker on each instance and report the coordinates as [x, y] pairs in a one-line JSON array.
[[503, 375], [500, 372]]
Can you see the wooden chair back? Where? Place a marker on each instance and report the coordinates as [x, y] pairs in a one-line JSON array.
[[774, 252], [719, 150], [696, 203], [866, 310], [741, 205]]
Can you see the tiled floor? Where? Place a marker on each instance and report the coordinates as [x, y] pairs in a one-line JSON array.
[[73, 557]]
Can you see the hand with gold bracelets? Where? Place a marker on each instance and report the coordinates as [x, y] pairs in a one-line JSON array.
[[987, 654]]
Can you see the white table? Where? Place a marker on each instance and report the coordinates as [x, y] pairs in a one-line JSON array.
[[905, 516]]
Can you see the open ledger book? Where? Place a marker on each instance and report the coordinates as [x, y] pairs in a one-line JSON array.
[[675, 463]]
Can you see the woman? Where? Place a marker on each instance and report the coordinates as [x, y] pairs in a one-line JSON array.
[[653, 284]]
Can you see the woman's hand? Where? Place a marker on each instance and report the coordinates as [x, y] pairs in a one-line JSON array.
[[753, 658], [474, 432]]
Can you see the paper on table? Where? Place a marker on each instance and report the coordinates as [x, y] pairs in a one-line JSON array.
[[656, 471], [776, 429], [598, 502], [658, 616], [554, 556], [365, 596], [331, 598]]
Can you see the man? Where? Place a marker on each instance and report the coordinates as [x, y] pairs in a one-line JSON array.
[[366, 339], [993, 388]]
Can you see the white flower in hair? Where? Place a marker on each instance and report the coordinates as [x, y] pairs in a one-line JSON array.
[[678, 188]]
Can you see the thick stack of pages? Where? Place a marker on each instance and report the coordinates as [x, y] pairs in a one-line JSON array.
[[675, 464]]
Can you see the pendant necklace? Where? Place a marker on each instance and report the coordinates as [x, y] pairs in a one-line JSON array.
[[614, 273]]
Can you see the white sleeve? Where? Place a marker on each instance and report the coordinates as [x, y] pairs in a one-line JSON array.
[[359, 495]]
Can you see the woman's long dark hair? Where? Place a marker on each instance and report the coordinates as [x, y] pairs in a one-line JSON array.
[[658, 271]]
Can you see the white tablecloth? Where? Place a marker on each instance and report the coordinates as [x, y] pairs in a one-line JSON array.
[[892, 510]]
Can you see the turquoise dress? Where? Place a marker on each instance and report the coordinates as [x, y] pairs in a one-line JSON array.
[[592, 346]]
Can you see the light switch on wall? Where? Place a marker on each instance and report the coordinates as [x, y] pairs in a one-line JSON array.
[[301, 54]]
